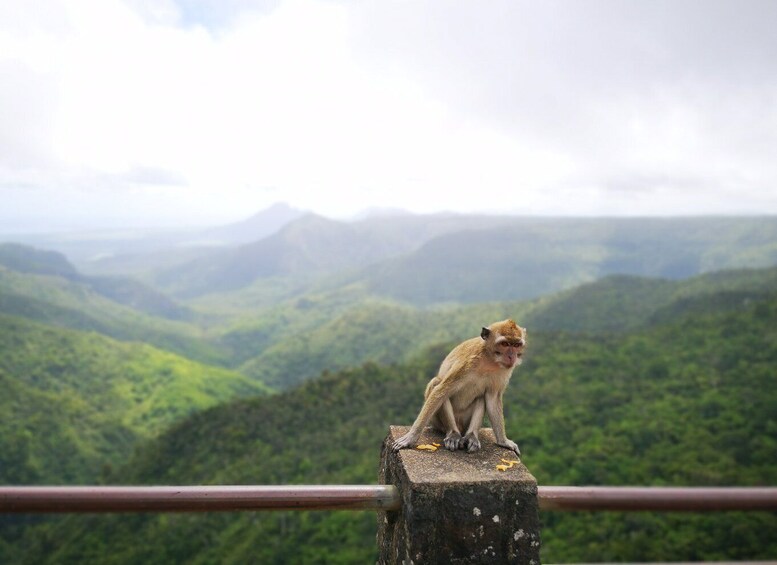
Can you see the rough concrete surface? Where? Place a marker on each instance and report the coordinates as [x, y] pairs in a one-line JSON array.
[[457, 507]]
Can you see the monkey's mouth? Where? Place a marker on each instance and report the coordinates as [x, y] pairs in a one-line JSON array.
[[516, 360]]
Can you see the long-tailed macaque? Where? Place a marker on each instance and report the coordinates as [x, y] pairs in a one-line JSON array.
[[471, 382]]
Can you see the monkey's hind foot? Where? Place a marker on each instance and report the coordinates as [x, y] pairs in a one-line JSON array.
[[452, 440], [471, 443]]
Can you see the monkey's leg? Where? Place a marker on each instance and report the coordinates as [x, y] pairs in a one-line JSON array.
[[496, 415], [471, 442], [447, 419]]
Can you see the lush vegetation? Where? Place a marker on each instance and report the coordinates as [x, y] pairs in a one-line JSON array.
[[123, 290], [629, 380], [293, 341], [72, 304], [75, 404], [298, 320], [687, 399]]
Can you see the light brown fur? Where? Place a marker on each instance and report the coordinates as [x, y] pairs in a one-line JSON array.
[[471, 382]]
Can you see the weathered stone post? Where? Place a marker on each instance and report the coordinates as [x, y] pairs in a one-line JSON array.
[[457, 507]]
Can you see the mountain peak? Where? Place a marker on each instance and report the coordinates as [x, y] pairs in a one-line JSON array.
[[258, 226]]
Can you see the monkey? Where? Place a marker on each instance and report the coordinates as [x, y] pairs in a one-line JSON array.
[[470, 382]]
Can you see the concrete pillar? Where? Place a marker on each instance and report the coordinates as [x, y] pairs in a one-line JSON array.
[[458, 507]]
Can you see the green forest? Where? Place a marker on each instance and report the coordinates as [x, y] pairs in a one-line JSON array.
[[637, 377]]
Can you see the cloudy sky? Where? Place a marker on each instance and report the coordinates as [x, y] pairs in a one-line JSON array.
[[165, 112]]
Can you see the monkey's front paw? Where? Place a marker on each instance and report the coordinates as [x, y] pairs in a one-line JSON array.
[[403, 443], [511, 445], [471, 442], [452, 441]]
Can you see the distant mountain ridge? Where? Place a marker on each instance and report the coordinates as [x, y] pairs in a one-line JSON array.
[[27, 259], [431, 259], [44, 287], [262, 224], [109, 251], [311, 244], [467, 259], [123, 290], [533, 257]]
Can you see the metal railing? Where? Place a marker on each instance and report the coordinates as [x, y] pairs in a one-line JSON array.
[[350, 497], [659, 499], [197, 498]]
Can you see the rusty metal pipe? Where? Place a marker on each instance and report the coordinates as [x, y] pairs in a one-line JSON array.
[[197, 498], [669, 499], [350, 497]]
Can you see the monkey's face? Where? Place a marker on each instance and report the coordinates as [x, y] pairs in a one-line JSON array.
[[505, 342], [509, 352]]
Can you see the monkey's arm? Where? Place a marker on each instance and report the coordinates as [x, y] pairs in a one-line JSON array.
[[434, 401], [495, 410]]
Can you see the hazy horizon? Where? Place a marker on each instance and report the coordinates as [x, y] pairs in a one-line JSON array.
[[180, 113], [138, 229]]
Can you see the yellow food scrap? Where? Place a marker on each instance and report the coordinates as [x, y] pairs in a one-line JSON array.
[[436, 444], [509, 465], [426, 447]]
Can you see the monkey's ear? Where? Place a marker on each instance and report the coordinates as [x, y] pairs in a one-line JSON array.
[[484, 333]]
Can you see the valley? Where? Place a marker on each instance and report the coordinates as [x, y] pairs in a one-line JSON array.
[[283, 360]]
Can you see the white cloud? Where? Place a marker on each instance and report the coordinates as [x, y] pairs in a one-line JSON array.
[[338, 106]]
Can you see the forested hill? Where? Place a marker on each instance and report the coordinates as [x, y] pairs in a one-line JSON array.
[[122, 290], [43, 286], [684, 399], [346, 325], [76, 403], [345, 335]]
